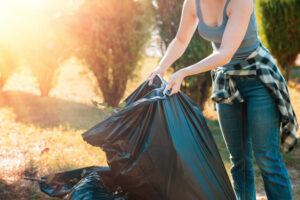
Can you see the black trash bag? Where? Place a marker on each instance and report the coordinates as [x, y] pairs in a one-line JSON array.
[[159, 147], [61, 183], [89, 188], [83, 184]]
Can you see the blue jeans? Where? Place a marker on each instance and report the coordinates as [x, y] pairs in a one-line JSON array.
[[254, 125]]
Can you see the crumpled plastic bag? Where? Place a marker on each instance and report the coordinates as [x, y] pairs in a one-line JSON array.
[[89, 188], [159, 147], [82, 184]]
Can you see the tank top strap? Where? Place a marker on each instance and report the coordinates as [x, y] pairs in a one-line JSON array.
[[224, 10]]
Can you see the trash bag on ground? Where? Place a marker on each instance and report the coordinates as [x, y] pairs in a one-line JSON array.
[[61, 183], [159, 147], [88, 188], [82, 184]]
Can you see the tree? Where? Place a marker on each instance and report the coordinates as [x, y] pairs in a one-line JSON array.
[[281, 26], [110, 36], [8, 63], [43, 49], [44, 57], [168, 13]]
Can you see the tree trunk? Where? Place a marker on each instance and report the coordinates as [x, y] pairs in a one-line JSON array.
[[199, 91], [45, 84], [2, 83], [203, 92], [44, 89], [288, 72], [111, 100]]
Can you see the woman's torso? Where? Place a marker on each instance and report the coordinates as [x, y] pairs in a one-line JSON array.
[[214, 34]]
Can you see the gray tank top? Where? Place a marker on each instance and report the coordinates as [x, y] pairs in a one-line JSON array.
[[214, 34]]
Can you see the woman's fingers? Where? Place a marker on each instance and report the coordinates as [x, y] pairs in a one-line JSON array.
[[175, 89], [172, 91], [173, 85], [168, 86], [150, 78], [154, 73]]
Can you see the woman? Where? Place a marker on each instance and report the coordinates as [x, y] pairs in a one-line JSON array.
[[248, 113]]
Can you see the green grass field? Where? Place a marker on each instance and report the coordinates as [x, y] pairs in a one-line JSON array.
[[42, 135]]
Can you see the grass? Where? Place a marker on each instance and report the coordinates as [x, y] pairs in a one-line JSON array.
[[30, 149], [42, 135]]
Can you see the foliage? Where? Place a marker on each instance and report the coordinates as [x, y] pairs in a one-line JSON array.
[[168, 13], [46, 54], [258, 15], [109, 110], [281, 23], [110, 36], [8, 63]]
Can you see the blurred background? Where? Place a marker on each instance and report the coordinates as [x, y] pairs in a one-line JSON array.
[[57, 58]]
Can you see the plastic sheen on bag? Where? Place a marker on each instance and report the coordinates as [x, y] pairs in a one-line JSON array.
[[159, 147], [82, 184]]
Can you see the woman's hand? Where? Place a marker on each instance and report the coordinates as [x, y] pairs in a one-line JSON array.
[[174, 82], [157, 70]]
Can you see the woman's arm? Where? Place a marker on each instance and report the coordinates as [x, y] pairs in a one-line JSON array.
[[187, 27], [233, 35]]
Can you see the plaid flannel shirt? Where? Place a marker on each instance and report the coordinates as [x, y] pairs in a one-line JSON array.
[[262, 64]]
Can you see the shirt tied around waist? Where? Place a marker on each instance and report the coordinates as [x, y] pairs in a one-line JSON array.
[[262, 64]]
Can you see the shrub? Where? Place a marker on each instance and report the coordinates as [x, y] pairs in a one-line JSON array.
[[8, 63], [168, 13], [281, 26], [110, 36], [43, 50]]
